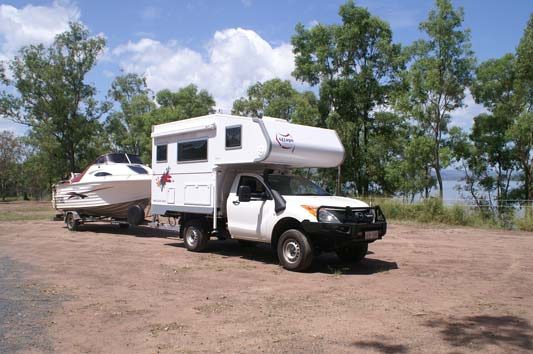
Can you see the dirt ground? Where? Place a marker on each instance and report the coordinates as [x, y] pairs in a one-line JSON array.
[[106, 290]]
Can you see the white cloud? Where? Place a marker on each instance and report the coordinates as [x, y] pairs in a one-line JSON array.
[[464, 117], [33, 24], [236, 58]]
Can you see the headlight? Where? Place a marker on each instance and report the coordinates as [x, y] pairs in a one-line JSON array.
[[325, 215]]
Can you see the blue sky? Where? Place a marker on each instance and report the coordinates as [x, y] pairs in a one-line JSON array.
[[224, 46]]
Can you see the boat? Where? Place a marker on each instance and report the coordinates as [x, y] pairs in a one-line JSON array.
[[106, 188]]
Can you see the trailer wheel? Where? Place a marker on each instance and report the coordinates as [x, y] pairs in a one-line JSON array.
[[72, 224], [195, 236], [294, 250], [353, 253]]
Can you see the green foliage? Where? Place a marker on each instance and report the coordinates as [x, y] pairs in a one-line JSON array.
[[355, 65], [433, 211], [10, 158], [521, 134], [277, 98], [440, 70], [185, 103], [124, 127], [55, 101], [410, 174]]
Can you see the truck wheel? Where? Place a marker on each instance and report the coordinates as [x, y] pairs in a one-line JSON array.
[[195, 236], [353, 253], [72, 224], [294, 250]]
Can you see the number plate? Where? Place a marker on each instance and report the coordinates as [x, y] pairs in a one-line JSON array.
[[371, 235]]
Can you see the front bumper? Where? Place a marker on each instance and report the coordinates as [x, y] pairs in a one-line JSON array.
[[333, 235]]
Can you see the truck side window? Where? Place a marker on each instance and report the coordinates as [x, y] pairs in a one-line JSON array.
[[257, 188], [192, 151], [233, 137], [161, 153]]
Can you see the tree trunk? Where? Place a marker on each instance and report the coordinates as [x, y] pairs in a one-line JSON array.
[[437, 162], [439, 180], [529, 190], [364, 179], [338, 186]]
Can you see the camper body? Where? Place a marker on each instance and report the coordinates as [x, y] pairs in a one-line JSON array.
[[230, 177]]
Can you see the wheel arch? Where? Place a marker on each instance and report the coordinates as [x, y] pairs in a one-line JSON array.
[[281, 226]]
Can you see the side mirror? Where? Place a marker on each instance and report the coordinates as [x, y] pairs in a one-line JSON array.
[[244, 193]]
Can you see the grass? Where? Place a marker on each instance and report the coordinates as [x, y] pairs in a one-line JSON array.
[[433, 211], [25, 211], [526, 223]]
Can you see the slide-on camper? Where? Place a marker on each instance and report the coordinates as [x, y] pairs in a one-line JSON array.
[[229, 177]]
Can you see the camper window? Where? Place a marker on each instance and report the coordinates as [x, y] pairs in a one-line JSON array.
[[161, 153], [192, 151], [233, 137]]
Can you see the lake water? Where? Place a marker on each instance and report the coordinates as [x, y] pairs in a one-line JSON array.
[[453, 196]]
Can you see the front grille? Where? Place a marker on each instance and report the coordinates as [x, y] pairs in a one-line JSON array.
[[350, 215]]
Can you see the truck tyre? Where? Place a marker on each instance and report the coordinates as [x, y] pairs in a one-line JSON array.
[[353, 253], [72, 224], [195, 236], [294, 250]]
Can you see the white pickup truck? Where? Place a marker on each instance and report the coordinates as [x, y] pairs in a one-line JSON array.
[[230, 177]]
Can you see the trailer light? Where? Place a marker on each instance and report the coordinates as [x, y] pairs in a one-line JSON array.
[[311, 209]]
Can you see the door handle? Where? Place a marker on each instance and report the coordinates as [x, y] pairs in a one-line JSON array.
[[236, 202]]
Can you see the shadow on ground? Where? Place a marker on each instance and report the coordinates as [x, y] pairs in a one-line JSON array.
[[381, 347], [475, 332], [137, 231], [327, 263]]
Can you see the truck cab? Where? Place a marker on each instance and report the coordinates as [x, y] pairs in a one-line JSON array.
[[298, 218]]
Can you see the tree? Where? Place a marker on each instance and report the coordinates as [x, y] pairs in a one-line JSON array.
[[440, 70], [491, 158], [130, 128], [187, 102], [277, 98], [355, 65], [521, 132], [54, 99], [125, 127], [409, 174], [10, 158]]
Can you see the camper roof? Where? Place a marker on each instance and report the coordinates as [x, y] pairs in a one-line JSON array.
[[278, 141]]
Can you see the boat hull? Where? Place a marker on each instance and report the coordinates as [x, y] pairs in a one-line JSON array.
[[106, 198]]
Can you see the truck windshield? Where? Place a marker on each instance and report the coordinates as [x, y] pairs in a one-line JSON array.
[[294, 185]]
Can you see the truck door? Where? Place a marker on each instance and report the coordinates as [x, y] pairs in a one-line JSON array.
[[247, 219]]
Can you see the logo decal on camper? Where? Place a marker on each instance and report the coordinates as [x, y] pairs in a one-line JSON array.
[[286, 141], [164, 179]]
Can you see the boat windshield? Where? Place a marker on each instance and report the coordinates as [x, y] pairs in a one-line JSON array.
[[119, 158], [135, 159], [294, 185]]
